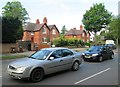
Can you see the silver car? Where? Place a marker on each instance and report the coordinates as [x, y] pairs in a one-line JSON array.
[[44, 61]]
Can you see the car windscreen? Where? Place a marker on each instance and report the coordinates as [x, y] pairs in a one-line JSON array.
[[95, 48], [40, 55]]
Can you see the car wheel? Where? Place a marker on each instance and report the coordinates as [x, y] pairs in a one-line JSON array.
[[100, 59], [75, 66], [37, 75], [112, 56]]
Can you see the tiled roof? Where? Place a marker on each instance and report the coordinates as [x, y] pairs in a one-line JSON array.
[[35, 27], [32, 27], [51, 26], [74, 32]]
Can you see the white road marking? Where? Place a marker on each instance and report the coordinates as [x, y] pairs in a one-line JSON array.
[[0, 76], [92, 76]]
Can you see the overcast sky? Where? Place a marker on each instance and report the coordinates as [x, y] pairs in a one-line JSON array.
[[62, 12]]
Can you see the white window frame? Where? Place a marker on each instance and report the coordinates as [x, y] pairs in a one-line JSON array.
[[53, 31], [44, 30], [44, 40]]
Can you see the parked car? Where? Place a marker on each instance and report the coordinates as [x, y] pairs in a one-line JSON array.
[[112, 46], [98, 53], [44, 61]]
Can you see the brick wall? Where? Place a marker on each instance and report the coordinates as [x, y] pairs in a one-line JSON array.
[[6, 47], [52, 36], [26, 35]]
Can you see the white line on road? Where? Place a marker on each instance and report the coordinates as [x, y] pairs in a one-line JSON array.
[[92, 76], [0, 76]]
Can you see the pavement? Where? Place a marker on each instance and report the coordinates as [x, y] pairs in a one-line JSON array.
[[28, 53]]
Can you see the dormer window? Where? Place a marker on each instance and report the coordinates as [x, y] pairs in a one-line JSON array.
[[53, 31], [44, 30]]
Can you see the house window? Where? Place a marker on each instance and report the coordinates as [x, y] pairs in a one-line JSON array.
[[88, 34], [53, 31], [44, 30], [83, 34], [44, 40]]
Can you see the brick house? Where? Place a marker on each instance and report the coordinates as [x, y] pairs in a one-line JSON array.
[[40, 34], [82, 34]]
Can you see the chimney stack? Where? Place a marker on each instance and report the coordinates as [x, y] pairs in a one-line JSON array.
[[45, 20], [37, 21], [81, 27]]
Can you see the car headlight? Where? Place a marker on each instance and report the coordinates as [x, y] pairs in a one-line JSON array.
[[83, 53], [20, 69], [94, 54]]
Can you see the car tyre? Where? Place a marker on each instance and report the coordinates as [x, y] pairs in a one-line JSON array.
[[112, 56], [37, 75], [75, 66], [100, 59]]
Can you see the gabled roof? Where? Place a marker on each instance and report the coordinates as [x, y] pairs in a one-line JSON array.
[[74, 32], [33, 27], [52, 26]]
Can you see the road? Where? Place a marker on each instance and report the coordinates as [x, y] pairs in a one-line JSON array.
[[90, 73]]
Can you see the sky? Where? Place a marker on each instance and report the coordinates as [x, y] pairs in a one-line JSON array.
[[62, 12]]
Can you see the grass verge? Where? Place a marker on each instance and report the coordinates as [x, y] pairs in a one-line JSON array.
[[12, 56]]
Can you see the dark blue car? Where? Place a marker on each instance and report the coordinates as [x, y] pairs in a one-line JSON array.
[[98, 53]]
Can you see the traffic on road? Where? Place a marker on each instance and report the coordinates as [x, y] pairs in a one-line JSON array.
[[89, 73]]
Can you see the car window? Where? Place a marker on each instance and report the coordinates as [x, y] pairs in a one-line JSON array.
[[66, 53], [56, 54], [95, 48], [40, 55]]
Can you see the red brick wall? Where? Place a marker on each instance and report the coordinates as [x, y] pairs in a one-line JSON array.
[[68, 36], [37, 37], [46, 35], [52, 36], [26, 35]]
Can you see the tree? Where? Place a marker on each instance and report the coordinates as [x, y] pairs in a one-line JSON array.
[[64, 30], [10, 28], [113, 30], [96, 18], [14, 9]]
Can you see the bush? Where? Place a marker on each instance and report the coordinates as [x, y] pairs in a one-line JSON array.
[[62, 41], [87, 44]]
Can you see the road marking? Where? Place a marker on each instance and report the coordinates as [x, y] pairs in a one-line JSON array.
[[92, 76], [0, 76]]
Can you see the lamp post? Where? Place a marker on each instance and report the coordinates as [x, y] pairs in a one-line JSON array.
[[32, 41]]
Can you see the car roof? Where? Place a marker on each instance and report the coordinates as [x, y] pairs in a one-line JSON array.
[[55, 48]]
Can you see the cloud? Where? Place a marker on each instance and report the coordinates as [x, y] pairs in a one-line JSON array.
[[65, 7]]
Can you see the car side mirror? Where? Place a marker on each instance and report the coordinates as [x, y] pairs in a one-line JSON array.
[[51, 58]]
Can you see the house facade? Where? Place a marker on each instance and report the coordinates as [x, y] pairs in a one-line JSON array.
[[80, 33], [40, 34]]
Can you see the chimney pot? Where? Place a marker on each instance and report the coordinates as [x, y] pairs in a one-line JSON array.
[[45, 20], [37, 21]]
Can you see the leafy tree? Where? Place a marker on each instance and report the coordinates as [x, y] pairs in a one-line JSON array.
[[10, 29], [96, 18], [64, 30], [14, 9], [113, 30]]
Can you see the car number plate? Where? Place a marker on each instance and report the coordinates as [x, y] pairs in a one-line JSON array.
[[87, 57]]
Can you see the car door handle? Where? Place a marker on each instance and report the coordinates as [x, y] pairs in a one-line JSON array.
[[61, 60]]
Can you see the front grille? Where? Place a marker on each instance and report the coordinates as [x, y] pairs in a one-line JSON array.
[[11, 67], [88, 55]]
